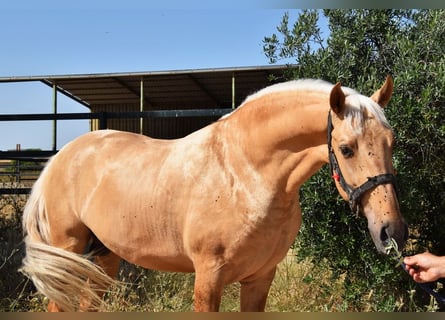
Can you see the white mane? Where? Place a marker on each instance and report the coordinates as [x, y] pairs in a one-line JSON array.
[[299, 85], [356, 102]]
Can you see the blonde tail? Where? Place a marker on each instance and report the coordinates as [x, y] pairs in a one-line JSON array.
[[62, 276]]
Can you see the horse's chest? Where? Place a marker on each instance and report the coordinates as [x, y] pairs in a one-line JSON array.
[[262, 245], [272, 232]]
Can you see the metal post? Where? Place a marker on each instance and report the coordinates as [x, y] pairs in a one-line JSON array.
[[18, 148], [103, 120], [55, 120], [233, 90], [142, 105]]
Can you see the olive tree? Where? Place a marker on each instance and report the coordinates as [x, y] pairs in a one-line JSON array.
[[362, 47]]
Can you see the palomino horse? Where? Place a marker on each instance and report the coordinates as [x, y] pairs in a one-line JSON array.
[[221, 202]]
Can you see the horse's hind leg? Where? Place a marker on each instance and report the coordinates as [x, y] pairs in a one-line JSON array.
[[254, 293], [74, 239], [80, 240], [106, 260]]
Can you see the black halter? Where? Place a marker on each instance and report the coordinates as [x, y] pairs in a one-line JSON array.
[[354, 195]]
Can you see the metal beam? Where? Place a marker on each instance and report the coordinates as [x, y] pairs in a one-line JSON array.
[[135, 92], [180, 113], [145, 73], [15, 191], [66, 93], [203, 89], [29, 155]]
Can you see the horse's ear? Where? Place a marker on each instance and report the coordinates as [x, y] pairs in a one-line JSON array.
[[337, 99], [383, 95]]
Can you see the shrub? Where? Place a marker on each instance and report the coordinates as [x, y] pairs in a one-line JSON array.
[[362, 48]]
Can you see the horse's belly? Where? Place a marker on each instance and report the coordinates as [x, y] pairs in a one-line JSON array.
[[170, 263], [150, 255], [147, 240]]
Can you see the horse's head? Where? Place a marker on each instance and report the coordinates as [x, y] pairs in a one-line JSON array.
[[360, 147]]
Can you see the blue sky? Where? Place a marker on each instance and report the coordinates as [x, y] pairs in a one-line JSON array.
[[59, 40], [48, 37]]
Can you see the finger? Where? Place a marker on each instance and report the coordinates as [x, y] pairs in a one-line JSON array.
[[410, 260], [418, 278]]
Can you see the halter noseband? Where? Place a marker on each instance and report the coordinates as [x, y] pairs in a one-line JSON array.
[[354, 195]]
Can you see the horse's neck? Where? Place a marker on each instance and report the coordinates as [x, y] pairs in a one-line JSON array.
[[284, 140]]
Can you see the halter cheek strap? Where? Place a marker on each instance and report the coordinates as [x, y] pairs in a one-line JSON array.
[[354, 194]]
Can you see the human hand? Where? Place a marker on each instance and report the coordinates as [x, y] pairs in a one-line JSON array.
[[425, 267]]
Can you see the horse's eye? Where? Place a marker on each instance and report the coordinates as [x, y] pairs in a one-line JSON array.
[[346, 151]]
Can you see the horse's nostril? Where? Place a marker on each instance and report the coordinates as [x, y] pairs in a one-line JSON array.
[[384, 236], [388, 232]]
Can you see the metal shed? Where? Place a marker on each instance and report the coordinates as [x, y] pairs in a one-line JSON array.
[[140, 101], [223, 88], [203, 89]]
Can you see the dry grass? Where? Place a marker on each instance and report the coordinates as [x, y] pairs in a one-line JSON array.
[[153, 291], [298, 286], [12, 283], [302, 286]]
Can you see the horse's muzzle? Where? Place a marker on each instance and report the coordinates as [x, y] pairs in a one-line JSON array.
[[397, 230]]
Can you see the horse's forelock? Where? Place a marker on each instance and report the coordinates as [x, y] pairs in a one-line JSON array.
[[355, 112]]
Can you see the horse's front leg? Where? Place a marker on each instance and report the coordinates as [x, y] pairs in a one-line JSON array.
[[254, 292], [208, 291]]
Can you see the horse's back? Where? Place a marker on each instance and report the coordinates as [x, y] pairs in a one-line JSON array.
[[128, 189], [99, 157]]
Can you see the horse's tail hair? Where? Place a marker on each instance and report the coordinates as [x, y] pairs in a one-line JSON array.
[[62, 276]]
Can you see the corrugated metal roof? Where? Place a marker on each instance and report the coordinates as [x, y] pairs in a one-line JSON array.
[[177, 89]]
